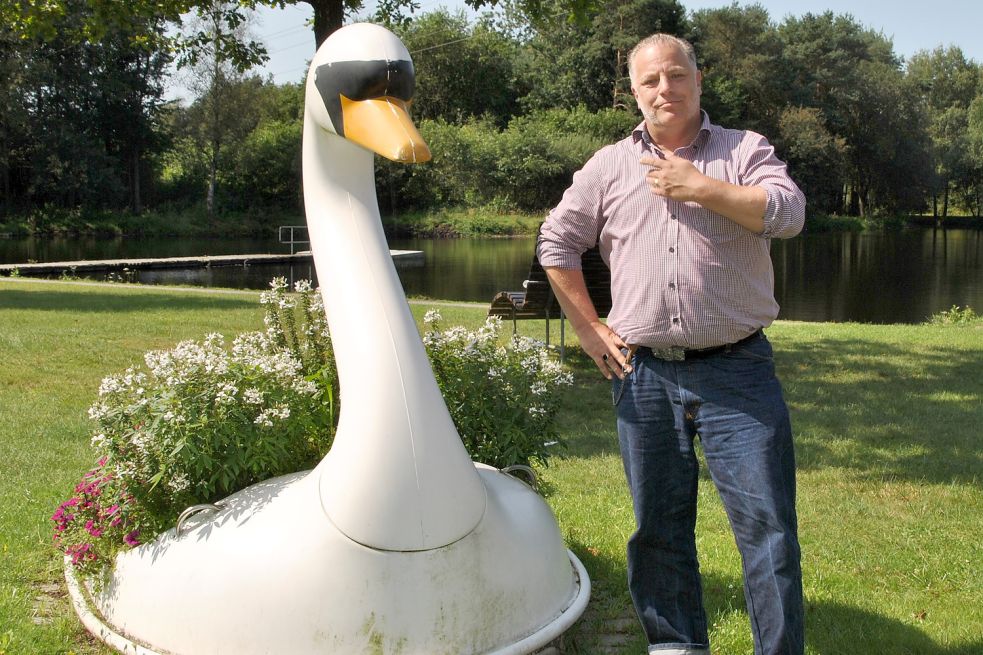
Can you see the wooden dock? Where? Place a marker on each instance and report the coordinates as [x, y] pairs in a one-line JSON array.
[[401, 258]]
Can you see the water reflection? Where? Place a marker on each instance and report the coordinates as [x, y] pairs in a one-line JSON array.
[[899, 277]]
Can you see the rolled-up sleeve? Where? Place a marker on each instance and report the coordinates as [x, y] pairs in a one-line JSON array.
[[573, 226], [786, 205]]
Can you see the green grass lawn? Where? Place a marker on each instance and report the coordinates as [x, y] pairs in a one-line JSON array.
[[889, 443]]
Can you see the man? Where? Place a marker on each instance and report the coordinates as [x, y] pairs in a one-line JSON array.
[[684, 211]]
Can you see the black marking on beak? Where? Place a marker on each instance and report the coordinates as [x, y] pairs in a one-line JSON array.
[[362, 80]]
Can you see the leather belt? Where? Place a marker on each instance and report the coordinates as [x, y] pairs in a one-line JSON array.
[[677, 354]]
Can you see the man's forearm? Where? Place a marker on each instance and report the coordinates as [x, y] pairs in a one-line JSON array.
[[598, 341], [744, 205], [570, 289]]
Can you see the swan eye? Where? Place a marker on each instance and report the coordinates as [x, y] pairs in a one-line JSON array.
[[362, 80]]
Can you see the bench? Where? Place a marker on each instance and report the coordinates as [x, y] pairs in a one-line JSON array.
[[537, 301]]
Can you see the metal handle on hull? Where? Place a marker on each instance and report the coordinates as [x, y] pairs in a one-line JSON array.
[[527, 472], [191, 511]]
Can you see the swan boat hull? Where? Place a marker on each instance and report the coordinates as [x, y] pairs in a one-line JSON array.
[[259, 576]]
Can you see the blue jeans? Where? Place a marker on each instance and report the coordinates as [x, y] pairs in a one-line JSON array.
[[733, 401]]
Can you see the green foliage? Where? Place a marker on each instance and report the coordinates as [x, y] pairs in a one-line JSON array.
[[815, 157], [201, 421], [956, 315], [85, 127], [524, 167], [266, 165], [744, 78], [462, 70], [569, 63], [503, 399]]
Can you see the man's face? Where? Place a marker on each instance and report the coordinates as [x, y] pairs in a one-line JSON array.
[[667, 87]]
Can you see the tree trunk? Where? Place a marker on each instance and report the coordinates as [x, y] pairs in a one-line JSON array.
[[210, 193], [7, 206], [329, 15], [136, 202], [854, 201]]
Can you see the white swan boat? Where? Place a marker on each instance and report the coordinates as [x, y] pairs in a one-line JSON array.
[[396, 542]]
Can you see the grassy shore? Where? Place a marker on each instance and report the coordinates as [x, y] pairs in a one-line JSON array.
[[450, 222], [890, 458]]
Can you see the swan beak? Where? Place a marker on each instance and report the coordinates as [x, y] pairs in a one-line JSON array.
[[383, 125]]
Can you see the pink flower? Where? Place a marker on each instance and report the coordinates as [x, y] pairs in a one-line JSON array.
[[78, 552], [131, 539]]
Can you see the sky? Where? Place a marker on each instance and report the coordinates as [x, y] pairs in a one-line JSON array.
[[912, 27]]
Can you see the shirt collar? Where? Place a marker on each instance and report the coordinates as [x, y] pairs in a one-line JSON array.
[[642, 134]]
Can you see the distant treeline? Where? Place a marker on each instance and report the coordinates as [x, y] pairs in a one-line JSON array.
[[511, 106]]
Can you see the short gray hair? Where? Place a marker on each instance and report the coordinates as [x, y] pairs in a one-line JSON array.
[[660, 39]]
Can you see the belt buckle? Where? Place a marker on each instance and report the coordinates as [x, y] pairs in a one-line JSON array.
[[670, 354]]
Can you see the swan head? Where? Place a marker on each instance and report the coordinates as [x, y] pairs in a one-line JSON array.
[[359, 87]]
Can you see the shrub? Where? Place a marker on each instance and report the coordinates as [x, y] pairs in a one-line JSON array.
[[956, 315], [503, 399], [202, 421]]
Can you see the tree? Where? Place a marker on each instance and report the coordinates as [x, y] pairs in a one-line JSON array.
[[82, 115], [971, 193], [946, 84], [744, 76], [13, 113], [215, 79], [462, 70], [815, 157], [569, 63], [852, 77]]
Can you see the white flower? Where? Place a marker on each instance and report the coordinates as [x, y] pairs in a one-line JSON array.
[[303, 286], [110, 385], [432, 316], [267, 416], [226, 394], [253, 396], [179, 482], [304, 387], [98, 411]]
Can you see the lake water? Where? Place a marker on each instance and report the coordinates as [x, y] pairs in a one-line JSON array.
[[895, 277]]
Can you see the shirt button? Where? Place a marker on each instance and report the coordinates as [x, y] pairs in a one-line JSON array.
[[672, 285], [675, 319], [672, 216], [671, 249]]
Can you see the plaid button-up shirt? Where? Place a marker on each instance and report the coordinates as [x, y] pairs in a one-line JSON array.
[[681, 275]]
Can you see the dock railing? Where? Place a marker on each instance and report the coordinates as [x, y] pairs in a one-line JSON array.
[[288, 234]]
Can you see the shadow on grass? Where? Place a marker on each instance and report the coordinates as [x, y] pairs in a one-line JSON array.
[[885, 410], [609, 626], [881, 410], [134, 301], [835, 629]]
